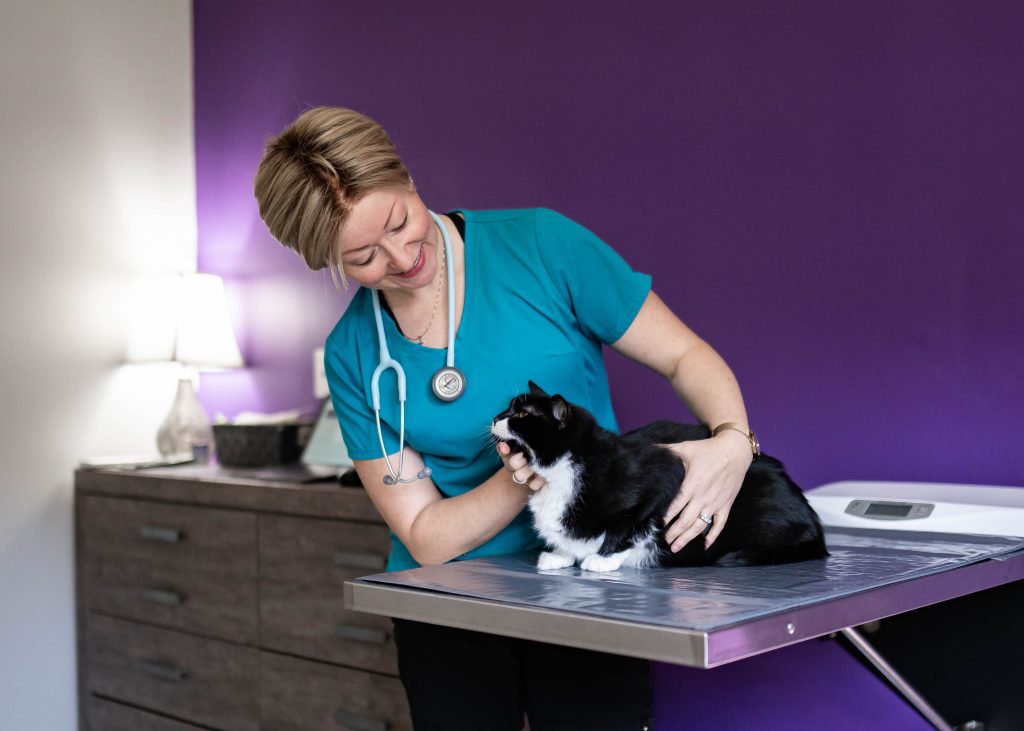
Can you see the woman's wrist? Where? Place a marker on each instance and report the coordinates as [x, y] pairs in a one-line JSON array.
[[739, 443], [740, 430]]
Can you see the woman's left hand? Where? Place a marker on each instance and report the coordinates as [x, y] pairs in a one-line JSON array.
[[714, 473]]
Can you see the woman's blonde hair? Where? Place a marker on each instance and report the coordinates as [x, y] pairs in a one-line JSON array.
[[315, 171]]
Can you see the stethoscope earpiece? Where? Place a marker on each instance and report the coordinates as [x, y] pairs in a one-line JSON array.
[[448, 383]]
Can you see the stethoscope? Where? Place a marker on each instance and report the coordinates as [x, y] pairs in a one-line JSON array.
[[448, 383]]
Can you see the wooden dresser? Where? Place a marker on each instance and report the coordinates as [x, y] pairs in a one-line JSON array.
[[207, 600]]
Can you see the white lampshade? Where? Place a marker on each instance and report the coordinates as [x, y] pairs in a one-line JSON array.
[[154, 319], [205, 339], [184, 318]]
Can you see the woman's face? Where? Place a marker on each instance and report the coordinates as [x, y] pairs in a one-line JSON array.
[[389, 241]]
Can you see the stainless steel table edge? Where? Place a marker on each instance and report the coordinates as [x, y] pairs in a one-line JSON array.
[[822, 618], [679, 645], [589, 632]]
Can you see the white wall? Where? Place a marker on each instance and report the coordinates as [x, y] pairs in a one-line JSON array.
[[97, 188]]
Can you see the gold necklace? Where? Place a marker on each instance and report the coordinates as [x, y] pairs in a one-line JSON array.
[[437, 298]]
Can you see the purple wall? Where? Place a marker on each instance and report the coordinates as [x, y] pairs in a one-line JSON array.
[[829, 193]]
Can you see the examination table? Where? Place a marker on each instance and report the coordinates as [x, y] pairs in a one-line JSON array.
[[894, 548]]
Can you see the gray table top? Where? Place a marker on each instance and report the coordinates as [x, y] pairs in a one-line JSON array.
[[703, 616]]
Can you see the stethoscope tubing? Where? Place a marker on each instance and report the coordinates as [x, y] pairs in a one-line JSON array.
[[386, 362]]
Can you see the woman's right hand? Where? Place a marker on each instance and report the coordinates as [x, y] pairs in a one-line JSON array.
[[436, 528], [521, 472]]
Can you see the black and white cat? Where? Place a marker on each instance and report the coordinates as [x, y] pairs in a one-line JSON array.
[[606, 495]]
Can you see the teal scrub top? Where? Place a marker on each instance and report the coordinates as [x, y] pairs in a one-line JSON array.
[[542, 294]]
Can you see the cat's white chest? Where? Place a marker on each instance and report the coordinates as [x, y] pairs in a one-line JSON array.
[[548, 505]]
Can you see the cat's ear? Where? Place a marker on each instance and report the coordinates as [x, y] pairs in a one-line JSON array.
[[536, 390], [560, 410]]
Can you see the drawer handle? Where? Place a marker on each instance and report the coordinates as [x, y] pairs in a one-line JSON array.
[[356, 560], [358, 722], [165, 597], [160, 533], [371, 635], [162, 671]]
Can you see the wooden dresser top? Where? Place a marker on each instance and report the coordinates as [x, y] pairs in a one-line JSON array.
[[209, 485]]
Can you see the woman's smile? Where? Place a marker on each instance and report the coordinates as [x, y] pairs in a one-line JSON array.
[[417, 267]]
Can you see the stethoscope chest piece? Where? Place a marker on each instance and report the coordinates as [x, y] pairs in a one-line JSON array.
[[448, 383]]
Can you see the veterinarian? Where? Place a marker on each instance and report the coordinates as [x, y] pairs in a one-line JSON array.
[[464, 308]]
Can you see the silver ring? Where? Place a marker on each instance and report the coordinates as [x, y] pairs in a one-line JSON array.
[[517, 481], [706, 518]]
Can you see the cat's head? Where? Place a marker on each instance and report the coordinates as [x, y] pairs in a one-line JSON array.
[[542, 427]]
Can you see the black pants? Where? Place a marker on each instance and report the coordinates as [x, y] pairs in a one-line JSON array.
[[458, 680]]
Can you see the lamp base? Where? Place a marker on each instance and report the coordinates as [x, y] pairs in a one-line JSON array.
[[186, 432]]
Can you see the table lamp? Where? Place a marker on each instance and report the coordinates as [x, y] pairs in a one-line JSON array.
[[185, 320]]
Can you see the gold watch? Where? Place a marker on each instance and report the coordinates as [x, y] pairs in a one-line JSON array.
[[755, 446]]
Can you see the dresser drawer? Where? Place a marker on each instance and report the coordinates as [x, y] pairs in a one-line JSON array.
[[204, 681], [107, 715], [304, 563], [183, 567], [299, 695]]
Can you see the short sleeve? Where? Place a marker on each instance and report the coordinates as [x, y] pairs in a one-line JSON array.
[[604, 292], [356, 418]]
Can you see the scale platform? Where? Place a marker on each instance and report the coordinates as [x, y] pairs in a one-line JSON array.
[[709, 616]]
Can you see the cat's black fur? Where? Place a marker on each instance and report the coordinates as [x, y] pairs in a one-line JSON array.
[[623, 486]]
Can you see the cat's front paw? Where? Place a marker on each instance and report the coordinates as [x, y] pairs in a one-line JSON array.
[[551, 560], [595, 562]]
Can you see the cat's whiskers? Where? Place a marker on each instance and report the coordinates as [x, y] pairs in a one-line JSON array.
[[487, 437]]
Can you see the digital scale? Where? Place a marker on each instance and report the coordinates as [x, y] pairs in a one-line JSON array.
[[919, 506]]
